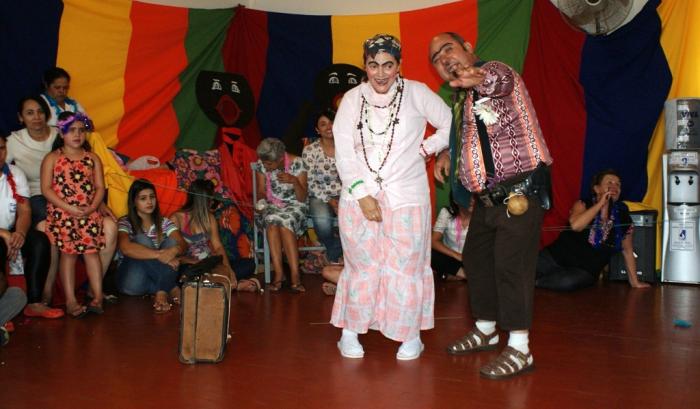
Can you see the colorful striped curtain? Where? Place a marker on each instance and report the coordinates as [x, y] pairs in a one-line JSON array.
[[134, 67]]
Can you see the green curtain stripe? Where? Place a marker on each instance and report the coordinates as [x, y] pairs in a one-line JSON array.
[[504, 31], [205, 38], [503, 34]]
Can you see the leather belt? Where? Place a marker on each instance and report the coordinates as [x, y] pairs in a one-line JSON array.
[[495, 195]]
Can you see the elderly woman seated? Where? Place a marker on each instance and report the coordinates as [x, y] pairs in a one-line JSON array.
[[282, 209]]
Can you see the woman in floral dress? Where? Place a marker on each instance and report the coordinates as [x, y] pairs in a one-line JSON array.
[[282, 209]]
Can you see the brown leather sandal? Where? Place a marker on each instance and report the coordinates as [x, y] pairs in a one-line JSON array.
[[297, 288], [474, 341], [510, 362]]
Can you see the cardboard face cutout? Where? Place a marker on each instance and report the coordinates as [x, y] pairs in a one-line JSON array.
[[333, 82], [225, 98]]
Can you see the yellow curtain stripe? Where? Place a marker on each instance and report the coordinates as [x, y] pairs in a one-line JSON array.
[[96, 63], [350, 32]]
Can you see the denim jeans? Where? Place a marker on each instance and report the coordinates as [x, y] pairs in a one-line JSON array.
[[11, 303], [138, 277], [323, 217]]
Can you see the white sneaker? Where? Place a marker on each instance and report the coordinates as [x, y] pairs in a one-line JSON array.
[[350, 347], [410, 350]]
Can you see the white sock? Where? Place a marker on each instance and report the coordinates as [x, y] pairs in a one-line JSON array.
[[410, 349], [350, 346], [519, 340], [487, 327], [412, 345], [349, 334]]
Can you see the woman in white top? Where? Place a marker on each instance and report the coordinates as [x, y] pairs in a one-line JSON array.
[[56, 87], [449, 235], [27, 148], [384, 213]]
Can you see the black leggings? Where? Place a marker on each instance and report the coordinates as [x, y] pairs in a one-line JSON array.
[[36, 252], [551, 276]]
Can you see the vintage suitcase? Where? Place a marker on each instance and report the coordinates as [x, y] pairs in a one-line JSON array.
[[204, 319]]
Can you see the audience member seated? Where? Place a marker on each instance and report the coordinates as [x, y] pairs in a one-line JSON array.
[[56, 87], [324, 185], [72, 183], [281, 181], [600, 227], [449, 234], [200, 230], [21, 245], [150, 244], [27, 148], [12, 300]]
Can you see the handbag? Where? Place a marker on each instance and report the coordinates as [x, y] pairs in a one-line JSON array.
[[192, 272]]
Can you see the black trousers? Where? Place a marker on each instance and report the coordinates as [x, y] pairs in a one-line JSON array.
[[444, 265], [36, 252], [551, 276], [499, 257]]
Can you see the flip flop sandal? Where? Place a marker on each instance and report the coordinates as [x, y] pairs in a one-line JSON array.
[[95, 309], [250, 285], [474, 341], [275, 286], [162, 308], [83, 312], [509, 363], [297, 288]]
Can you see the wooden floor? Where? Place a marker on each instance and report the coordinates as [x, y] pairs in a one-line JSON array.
[[606, 347]]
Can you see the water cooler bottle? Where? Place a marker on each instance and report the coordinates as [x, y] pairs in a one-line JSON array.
[[681, 177]]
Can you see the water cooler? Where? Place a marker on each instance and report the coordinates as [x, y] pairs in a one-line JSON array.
[[681, 177]]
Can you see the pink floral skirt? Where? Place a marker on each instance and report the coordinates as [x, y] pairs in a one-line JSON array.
[[387, 283]]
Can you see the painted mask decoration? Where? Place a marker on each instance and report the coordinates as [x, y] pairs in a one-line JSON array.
[[334, 81], [225, 98]]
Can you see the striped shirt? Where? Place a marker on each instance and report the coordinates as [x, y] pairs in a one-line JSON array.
[[517, 144]]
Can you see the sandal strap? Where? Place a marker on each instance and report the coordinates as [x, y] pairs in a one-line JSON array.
[[473, 339], [509, 362]]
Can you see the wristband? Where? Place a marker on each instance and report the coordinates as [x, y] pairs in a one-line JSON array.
[[355, 184]]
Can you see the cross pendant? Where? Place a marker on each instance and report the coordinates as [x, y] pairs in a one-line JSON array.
[[379, 181]]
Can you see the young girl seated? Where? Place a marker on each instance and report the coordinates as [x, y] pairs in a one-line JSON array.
[[449, 234], [201, 232], [72, 182], [150, 244]]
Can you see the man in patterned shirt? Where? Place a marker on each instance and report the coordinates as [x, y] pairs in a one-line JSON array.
[[500, 156]]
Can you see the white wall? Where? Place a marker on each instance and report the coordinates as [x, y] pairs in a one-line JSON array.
[[310, 7]]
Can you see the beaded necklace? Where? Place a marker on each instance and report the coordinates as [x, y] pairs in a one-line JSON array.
[[11, 182], [394, 107], [600, 230]]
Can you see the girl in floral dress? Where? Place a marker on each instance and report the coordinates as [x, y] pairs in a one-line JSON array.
[[72, 182]]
